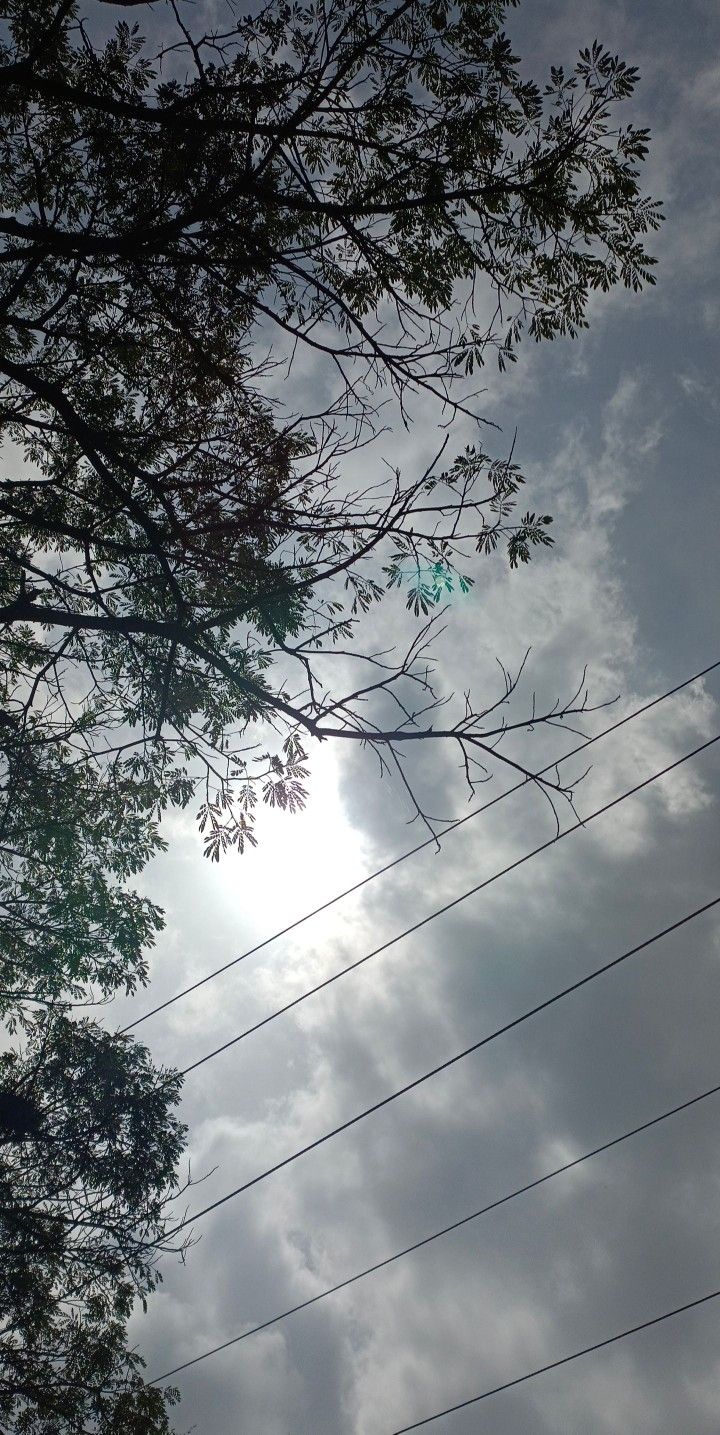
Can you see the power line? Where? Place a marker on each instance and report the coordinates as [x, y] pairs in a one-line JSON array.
[[440, 911], [430, 841], [446, 1230], [565, 1360], [442, 1066]]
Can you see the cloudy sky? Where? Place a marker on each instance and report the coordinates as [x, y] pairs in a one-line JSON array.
[[619, 435]]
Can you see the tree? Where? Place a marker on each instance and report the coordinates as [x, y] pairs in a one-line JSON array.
[[89, 1147], [184, 562]]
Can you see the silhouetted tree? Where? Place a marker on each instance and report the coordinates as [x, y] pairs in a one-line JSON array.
[[183, 560], [87, 1170]]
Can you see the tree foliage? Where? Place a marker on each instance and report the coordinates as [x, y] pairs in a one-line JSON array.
[[89, 1147], [183, 558]]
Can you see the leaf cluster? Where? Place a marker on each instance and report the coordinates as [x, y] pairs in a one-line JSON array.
[[83, 1196]]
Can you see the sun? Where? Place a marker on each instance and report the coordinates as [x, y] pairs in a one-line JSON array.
[[302, 859]]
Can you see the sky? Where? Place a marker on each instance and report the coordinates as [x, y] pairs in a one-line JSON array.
[[618, 435]]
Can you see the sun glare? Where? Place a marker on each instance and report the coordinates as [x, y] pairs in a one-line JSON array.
[[302, 859]]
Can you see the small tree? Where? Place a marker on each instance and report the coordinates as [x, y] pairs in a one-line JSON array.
[[89, 1148]]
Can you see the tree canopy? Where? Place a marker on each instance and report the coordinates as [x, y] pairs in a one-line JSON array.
[[222, 251], [89, 1148], [382, 187]]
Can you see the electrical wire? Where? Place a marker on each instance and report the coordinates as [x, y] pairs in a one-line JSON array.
[[430, 841], [440, 911], [446, 1230], [442, 1066], [565, 1360]]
